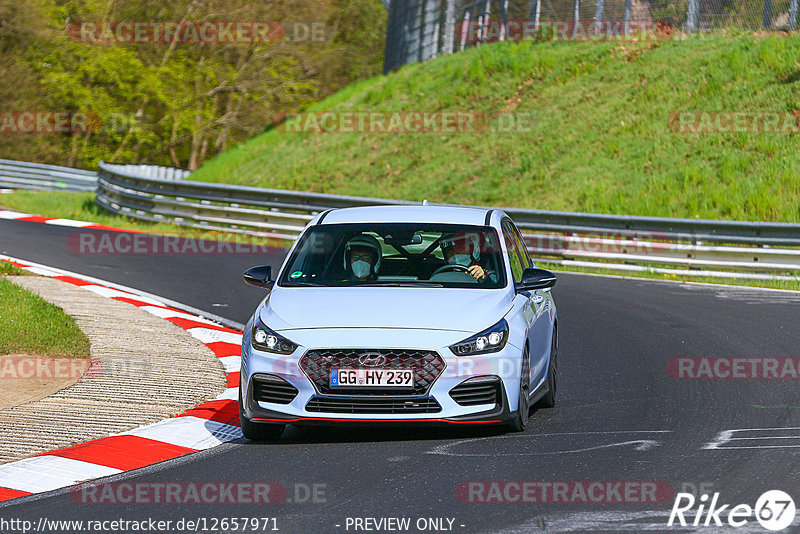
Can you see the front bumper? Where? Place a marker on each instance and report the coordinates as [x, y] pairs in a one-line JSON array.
[[442, 408], [256, 412]]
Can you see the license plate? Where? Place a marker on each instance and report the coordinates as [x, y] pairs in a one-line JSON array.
[[401, 378]]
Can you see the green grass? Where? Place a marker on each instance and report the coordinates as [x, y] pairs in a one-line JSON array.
[[82, 207], [65, 205], [599, 142], [7, 269], [792, 285], [76, 206], [30, 325]]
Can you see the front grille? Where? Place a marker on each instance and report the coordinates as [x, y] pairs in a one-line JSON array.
[[270, 388], [373, 405], [426, 365], [474, 393]]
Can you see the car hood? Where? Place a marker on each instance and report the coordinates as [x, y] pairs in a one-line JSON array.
[[463, 310]]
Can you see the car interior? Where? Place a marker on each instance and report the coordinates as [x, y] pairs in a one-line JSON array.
[[408, 255]]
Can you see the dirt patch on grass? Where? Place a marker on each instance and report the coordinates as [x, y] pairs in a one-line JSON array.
[[26, 378], [143, 369]]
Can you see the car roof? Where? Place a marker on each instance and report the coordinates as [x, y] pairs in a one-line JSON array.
[[390, 214]]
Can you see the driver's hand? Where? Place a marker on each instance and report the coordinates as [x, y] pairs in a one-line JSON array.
[[477, 272]]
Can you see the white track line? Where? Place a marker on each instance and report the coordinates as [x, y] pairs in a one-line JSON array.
[[46, 473]]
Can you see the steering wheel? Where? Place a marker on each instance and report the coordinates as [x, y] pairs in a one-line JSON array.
[[451, 267]]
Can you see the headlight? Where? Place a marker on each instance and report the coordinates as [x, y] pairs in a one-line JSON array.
[[490, 340], [266, 340]]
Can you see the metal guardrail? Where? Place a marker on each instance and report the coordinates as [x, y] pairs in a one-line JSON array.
[[210, 206], [161, 194], [693, 230], [557, 236], [23, 175]]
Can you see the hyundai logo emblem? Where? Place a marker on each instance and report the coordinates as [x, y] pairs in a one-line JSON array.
[[372, 359]]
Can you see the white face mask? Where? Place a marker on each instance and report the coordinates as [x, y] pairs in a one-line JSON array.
[[461, 259], [361, 268]]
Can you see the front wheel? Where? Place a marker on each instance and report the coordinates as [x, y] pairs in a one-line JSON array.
[[258, 431], [520, 421]]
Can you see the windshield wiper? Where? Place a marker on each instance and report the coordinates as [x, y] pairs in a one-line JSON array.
[[302, 284]]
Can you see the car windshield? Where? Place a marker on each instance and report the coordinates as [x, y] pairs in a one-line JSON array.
[[396, 254]]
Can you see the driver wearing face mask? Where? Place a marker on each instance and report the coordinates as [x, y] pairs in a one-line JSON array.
[[362, 258], [464, 248]]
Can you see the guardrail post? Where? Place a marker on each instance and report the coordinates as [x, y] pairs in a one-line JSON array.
[[449, 26], [400, 21], [484, 21], [766, 17], [429, 30], [627, 16], [598, 16], [534, 13], [576, 16], [691, 16]]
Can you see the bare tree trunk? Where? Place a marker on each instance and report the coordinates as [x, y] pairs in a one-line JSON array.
[[222, 137], [203, 150], [73, 151], [197, 134], [173, 134]]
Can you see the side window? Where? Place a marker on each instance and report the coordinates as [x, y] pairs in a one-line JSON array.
[[523, 250], [513, 253]]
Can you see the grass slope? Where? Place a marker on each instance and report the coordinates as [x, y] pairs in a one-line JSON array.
[[31, 325], [82, 207], [600, 142]]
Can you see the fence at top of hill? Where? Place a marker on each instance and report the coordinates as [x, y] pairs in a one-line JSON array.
[[419, 30]]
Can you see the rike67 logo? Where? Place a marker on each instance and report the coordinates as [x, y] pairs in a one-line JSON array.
[[774, 510]]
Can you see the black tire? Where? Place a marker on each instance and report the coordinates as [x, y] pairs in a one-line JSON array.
[[549, 399], [520, 421], [258, 431]]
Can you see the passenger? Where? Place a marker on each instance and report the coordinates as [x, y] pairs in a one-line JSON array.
[[362, 258]]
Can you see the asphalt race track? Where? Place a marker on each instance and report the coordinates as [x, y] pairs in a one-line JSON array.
[[620, 417]]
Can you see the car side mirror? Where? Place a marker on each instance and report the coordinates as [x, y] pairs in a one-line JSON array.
[[533, 278], [260, 276]]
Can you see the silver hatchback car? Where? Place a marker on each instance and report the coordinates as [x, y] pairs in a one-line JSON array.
[[400, 315]]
